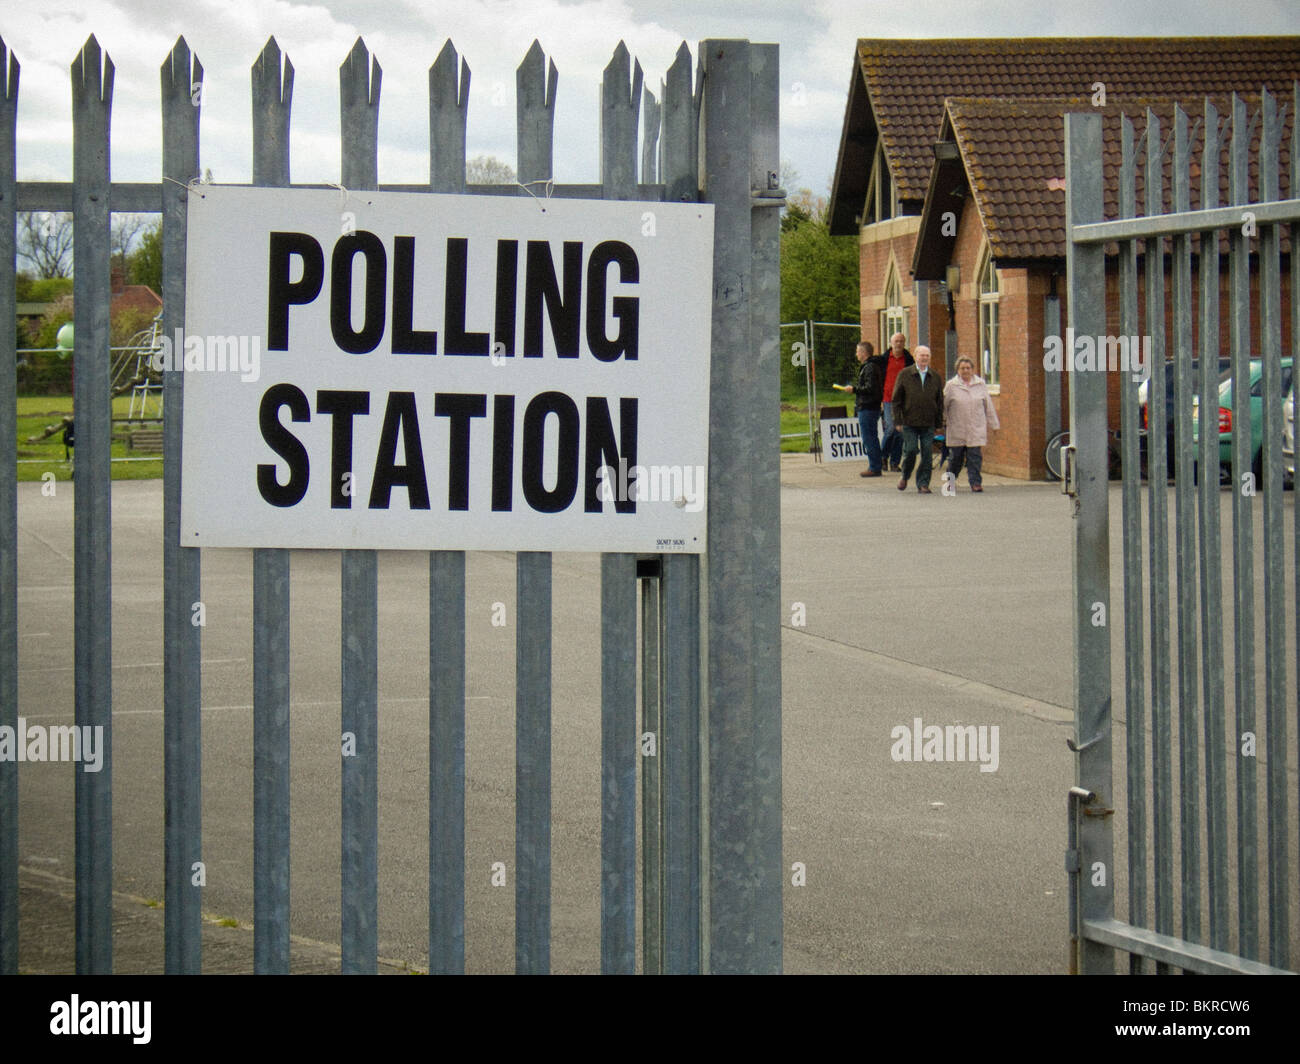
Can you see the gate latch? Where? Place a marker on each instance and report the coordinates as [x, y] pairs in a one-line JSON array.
[[1069, 473]]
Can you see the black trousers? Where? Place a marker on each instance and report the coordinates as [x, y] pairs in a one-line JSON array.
[[972, 458]]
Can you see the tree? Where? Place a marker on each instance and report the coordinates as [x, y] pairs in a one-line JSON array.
[[488, 170], [819, 278], [127, 323], [144, 265], [43, 290], [819, 272], [800, 207], [45, 243], [123, 233], [45, 331], [790, 182]]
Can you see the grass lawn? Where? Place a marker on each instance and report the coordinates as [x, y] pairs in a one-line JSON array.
[[38, 412], [794, 411], [794, 419]]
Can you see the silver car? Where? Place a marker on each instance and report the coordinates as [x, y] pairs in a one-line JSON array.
[[1288, 437]]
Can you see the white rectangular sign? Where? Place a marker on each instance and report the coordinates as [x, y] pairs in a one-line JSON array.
[[417, 371], [842, 440]]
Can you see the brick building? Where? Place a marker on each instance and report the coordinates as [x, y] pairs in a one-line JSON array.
[[952, 155], [125, 296]]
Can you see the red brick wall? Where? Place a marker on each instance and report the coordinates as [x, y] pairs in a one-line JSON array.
[[1017, 448], [874, 271]]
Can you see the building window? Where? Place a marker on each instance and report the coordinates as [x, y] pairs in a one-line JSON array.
[[989, 294], [893, 319], [881, 200]]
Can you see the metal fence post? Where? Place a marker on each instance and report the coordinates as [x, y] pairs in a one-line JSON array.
[[182, 97], [1216, 789], [679, 614], [679, 641], [1091, 556], [448, 103], [360, 77], [92, 96], [1243, 565], [744, 661], [272, 97], [1158, 502], [1270, 347], [618, 113], [1135, 706], [652, 825], [8, 511], [1295, 350], [533, 635], [1185, 544]]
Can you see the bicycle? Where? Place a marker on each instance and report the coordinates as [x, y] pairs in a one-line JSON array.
[[1052, 455]]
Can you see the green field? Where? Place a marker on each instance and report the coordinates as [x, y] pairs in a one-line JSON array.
[[794, 410], [37, 412], [794, 419]]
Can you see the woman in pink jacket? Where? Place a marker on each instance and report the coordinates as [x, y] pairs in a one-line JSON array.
[[968, 414]]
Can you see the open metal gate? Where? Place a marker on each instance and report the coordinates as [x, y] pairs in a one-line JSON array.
[[1205, 775]]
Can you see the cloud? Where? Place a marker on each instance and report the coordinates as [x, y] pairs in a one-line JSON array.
[[816, 40]]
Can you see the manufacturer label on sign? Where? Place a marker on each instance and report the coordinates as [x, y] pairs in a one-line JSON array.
[[408, 370]]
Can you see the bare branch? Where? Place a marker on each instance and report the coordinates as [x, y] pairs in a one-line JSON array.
[[124, 235], [488, 170], [45, 243]]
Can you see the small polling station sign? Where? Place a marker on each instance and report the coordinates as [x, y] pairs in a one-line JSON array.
[[842, 440], [417, 371]]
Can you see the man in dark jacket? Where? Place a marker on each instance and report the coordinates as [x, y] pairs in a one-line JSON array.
[[868, 393], [918, 411]]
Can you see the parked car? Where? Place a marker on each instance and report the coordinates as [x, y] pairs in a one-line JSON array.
[[1256, 416], [1288, 437], [1225, 365]]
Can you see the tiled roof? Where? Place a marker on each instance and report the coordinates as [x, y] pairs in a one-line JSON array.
[[136, 296], [1014, 157], [908, 80]]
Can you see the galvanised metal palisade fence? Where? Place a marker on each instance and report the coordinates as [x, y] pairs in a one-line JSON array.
[[1196, 747], [711, 623]]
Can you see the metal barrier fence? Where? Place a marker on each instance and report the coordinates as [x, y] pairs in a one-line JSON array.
[[1205, 811], [717, 689], [802, 343], [796, 353]]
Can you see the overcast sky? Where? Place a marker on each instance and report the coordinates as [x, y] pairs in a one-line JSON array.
[[816, 38]]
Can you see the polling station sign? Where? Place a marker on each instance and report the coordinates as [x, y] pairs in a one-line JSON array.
[[842, 439], [419, 371]]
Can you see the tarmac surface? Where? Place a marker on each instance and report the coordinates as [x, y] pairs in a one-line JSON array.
[[951, 609]]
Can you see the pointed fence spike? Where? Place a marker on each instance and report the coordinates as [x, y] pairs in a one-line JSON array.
[[272, 80], [449, 79], [8, 62], [536, 81]]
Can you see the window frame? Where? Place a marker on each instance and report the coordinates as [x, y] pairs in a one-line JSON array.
[[893, 316], [880, 203], [988, 296]]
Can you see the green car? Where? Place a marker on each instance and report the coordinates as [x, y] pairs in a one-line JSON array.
[[1256, 415]]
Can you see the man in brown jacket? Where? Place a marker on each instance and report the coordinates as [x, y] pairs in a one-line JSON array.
[[918, 411]]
